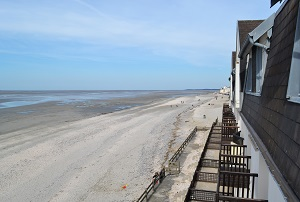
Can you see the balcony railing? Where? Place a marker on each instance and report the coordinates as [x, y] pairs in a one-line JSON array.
[[233, 179]]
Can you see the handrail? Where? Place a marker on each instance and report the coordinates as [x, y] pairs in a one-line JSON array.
[[236, 199], [233, 149], [239, 173], [183, 145], [192, 190], [172, 159], [232, 145], [156, 178]]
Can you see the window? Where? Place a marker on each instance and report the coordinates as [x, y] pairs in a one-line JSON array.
[[256, 62], [293, 92]]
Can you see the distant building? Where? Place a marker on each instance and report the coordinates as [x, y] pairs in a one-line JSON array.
[[265, 97], [225, 90]]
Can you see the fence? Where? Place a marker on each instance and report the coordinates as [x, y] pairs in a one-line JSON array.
[[159, 177], [184, 144], [194, 194]]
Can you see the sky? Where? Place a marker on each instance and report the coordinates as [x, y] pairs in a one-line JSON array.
[[119, 44]]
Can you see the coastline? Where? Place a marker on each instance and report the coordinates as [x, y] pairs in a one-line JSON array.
[[55, 112], [92, 158]]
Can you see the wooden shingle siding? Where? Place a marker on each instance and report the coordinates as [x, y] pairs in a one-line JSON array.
[[276, 120]]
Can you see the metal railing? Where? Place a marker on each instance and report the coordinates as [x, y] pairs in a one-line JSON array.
[[237, 184], [231, 149], [237, 199], [156, 180], [204, 195], [234, 163], [183, 145]]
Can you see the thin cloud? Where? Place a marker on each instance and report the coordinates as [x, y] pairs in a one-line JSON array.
[[84, 23], [103, 29]]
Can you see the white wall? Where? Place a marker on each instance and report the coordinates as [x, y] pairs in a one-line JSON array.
[[265, 185], [274, 192]]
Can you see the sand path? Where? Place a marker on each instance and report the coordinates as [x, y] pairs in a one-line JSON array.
[[91, 159]]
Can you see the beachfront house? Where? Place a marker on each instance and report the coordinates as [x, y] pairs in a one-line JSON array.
[[265, 98], [225, 90]]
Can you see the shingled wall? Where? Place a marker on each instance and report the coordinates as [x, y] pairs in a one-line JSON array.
[[276, 120]]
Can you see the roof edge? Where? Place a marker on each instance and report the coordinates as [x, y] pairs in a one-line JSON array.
[[253, 36]]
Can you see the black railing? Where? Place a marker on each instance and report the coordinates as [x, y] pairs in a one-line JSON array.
[[203, 195], [183, 145], [237, 199], [237, 184], [158, 179], [234, 163], [231, 149]]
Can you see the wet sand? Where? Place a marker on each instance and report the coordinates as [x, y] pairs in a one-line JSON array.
[[72, 155]]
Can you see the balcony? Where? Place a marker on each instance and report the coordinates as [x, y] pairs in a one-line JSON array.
[[223, 171]]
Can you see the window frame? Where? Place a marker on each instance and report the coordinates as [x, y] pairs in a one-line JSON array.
[[257, 60], [255, 73]]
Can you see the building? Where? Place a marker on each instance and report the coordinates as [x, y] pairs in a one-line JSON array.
[[225, 90], [265, 98]]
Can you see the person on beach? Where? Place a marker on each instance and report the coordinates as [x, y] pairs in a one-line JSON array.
[[162, 175], [154, 178]]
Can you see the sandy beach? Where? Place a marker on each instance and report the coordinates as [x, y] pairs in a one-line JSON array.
[[91, 158]]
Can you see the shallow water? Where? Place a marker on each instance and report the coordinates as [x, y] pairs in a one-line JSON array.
[[10, 99]]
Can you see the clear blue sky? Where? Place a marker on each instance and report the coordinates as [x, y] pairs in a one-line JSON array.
[[118, 44]]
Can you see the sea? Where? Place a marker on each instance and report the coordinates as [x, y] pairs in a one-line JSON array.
[[13, 99], [25, 109]]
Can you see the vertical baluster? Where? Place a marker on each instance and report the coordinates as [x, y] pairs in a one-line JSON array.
[[253, 187], [223, 174], [239, 164], [247, 164], [248, 188], [243, 190], [238, 182], [233, 183], [228, 183]]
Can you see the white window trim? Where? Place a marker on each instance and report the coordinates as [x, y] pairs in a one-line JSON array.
[[259, 69], [248, 86], [293, 90]]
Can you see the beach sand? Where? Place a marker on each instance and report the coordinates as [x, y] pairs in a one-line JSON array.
[[91, 159]]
